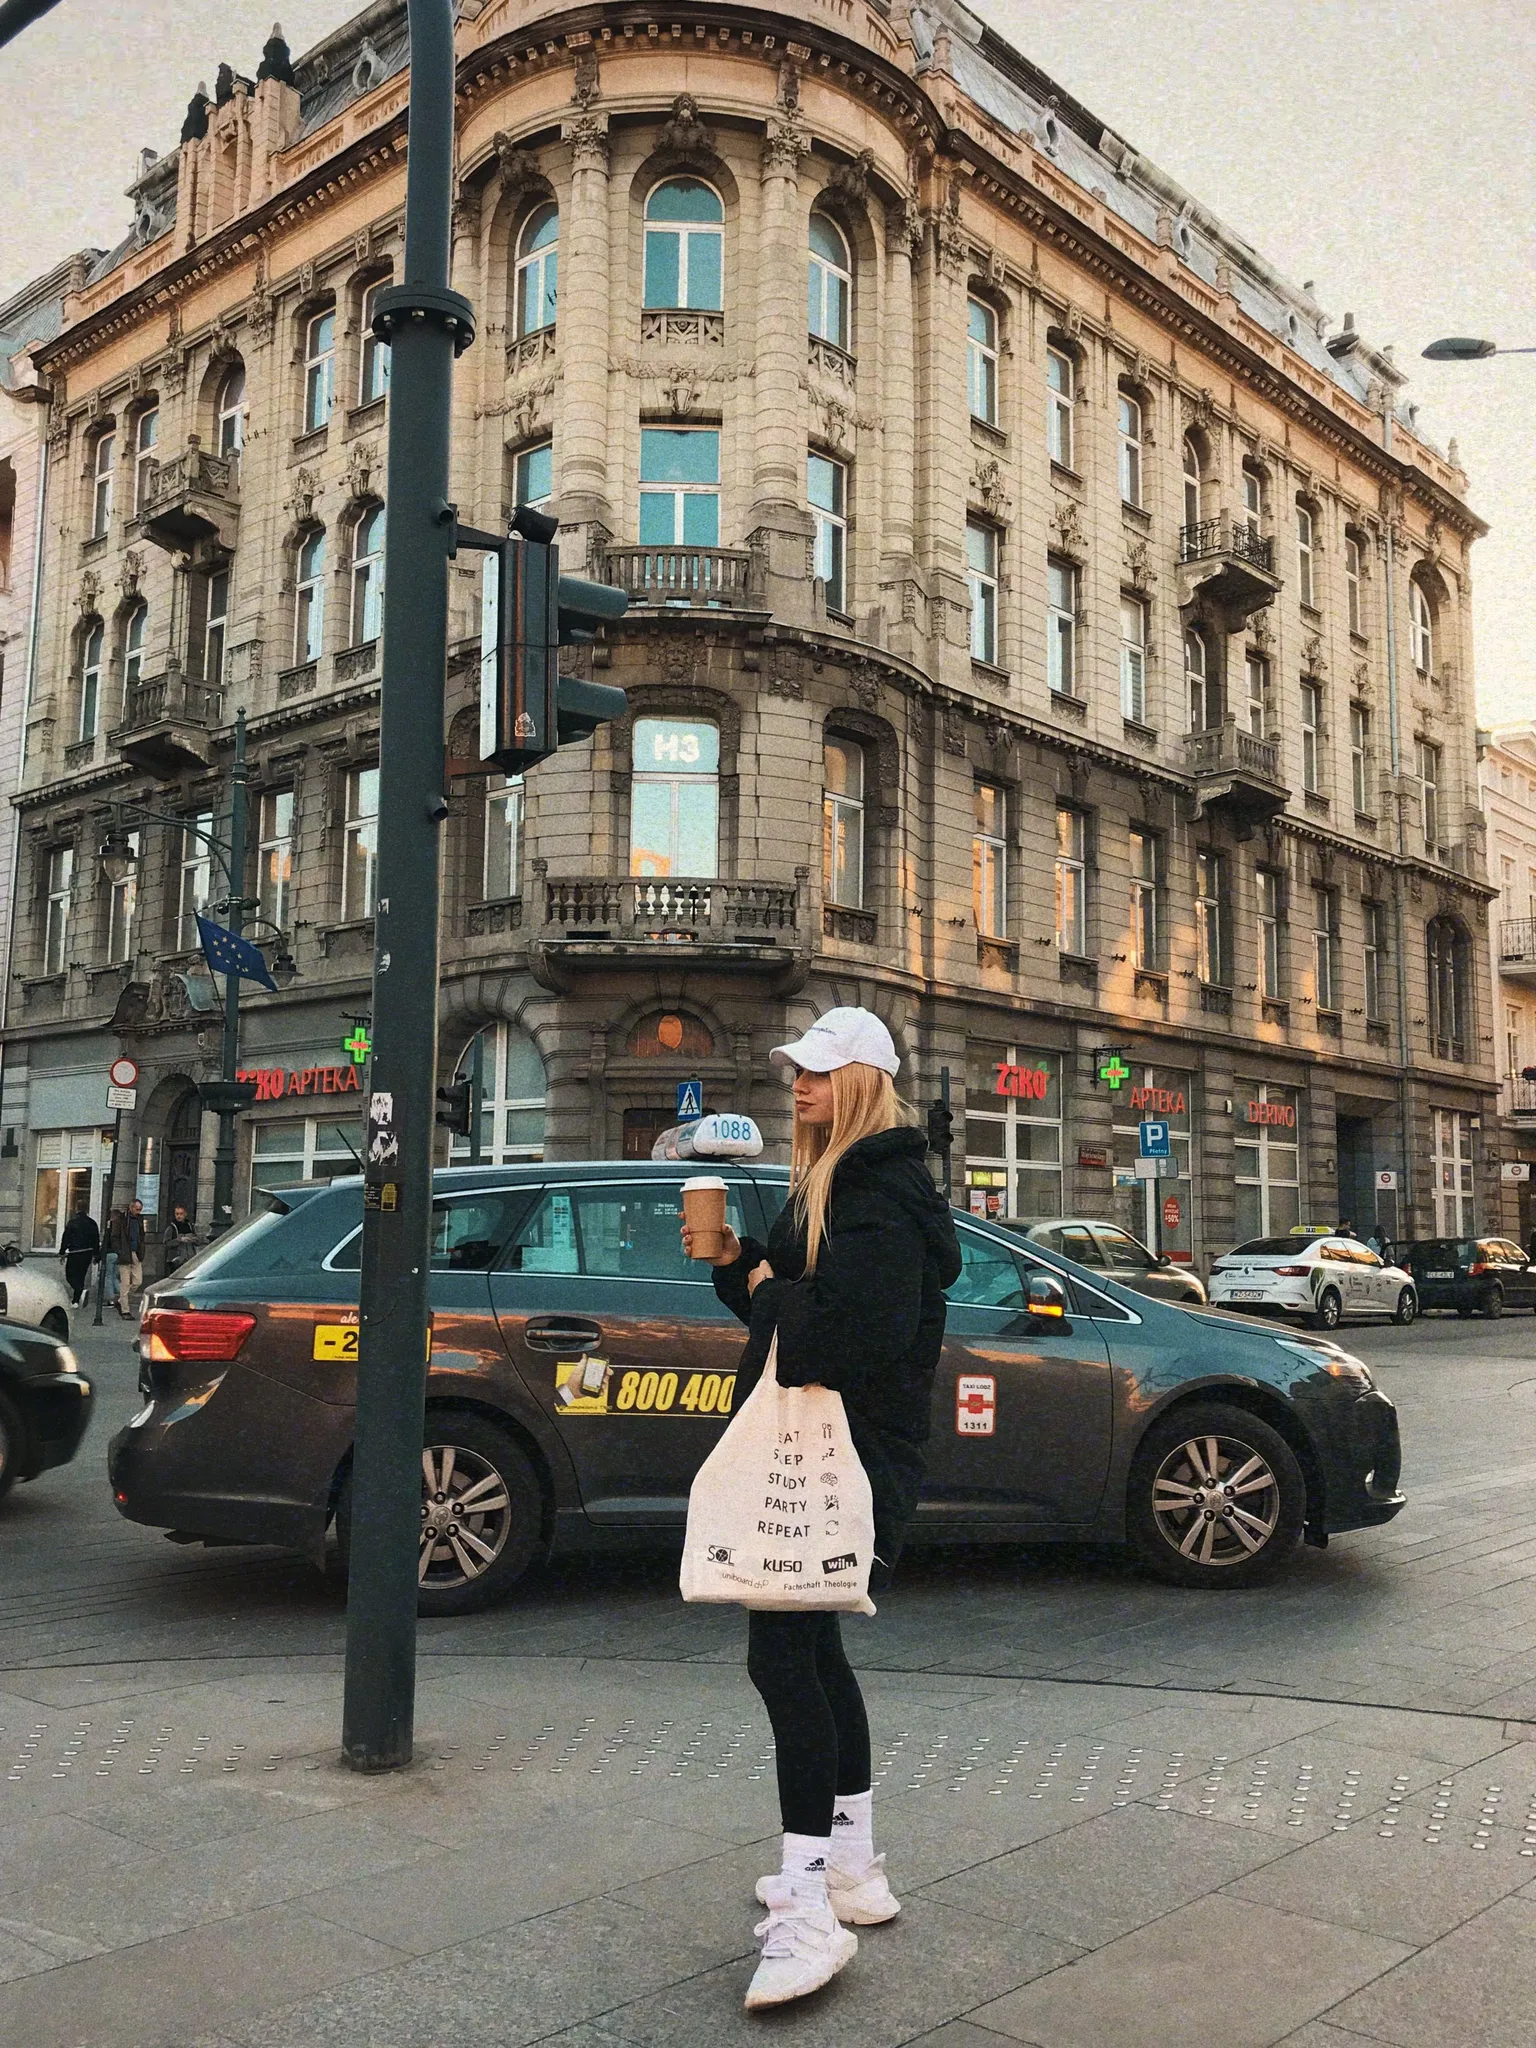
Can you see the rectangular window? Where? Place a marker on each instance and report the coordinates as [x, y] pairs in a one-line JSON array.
[[989, 861], [1060, 380], [1325, 948], [1374, 920], [1256, 676], [680, 487], [90, 681], [101, 484], [534, 476], [1360, 756], [827, 489], [674, 818], [1253, 501], [373, 360], [274, 873], [1209, 919], [146, 439], [1269, 908], [1429, 793], [981, 576], [1133, 660], [1130, 450], [360, 845], [503, 837], [195, 878], [216, 628], [1311, 737], [304, 1148], [842, 822], [1512, 1036], [1268, 1159], [683, 247], [1353, 570], [309, 601], [58, 888], [1071, 881], [1012, 1135], [319, 370], [1306, 587], [981, 361], [122, 908], [1146, 910], [1061, 628]]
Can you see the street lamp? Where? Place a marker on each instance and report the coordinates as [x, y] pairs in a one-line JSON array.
[[1467, 348]]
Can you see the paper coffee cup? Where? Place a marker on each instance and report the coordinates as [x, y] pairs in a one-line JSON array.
[[704, 1213]]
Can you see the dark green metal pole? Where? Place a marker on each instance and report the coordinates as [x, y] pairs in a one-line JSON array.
[[425, 325], [224, 1156], [476, 1096]]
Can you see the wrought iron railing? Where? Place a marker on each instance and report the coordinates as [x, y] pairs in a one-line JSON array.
[[1224, 535], [1517, 939], [1228, 749], [680, 575], [1522, 1097], [669, 911]]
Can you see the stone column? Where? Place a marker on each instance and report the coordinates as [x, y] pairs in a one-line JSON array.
[[898, 404], [944, 445], [778, 516], [583, 323]]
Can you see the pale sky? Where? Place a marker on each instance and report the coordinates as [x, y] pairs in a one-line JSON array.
[[1382, 150]]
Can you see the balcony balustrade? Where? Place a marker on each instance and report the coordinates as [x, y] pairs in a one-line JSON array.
[[191, 500], [708, 578], [168, 723], [1235, 771], [1517, 948], [609, 917]]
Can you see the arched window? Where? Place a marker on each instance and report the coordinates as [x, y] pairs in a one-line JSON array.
[[309, 607], [319, 369], [674, 819], [146, 439], [831, 283], [1202, 685], [368, 576], [538, 256], [1447, 961], [1060, 401], [1132, 441], [1421, 629], [373, 361], [90, 680], [103, 455], [981, 360], [684, 246], [229, 435], [1193, 473], [842, 822], [512, 1090], [1253, 498], [133, 645]]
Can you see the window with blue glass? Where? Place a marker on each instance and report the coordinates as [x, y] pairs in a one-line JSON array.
[[831, 282], [534, 479], [674, 821], [684, 254], [680, 487], [827, 489], [537, 262]]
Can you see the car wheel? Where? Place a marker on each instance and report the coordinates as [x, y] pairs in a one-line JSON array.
[[481, 1514], [10, 1446], [56, 1323], [1216, 1498], [1493, 1301], [1407, 1310], [1328, 1311]]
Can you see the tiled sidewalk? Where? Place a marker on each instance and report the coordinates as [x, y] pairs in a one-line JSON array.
[[572, 1860]]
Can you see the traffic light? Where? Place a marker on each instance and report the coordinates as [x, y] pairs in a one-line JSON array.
[[528, 612], [454, 1109], [941, 1126]]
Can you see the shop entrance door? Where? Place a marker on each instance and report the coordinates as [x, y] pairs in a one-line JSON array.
[[1357, 1173], [183, 1141], [1452, 1168]]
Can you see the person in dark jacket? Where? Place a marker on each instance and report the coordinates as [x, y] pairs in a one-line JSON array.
[[851, 1281], [79, 1248]]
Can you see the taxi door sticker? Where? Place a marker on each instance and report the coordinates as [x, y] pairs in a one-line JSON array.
[[581, 1386], [338, 1340], [975, 1404], [591, 1386]]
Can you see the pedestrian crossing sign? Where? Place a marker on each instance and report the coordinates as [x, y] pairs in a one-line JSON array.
[[690, 1100]]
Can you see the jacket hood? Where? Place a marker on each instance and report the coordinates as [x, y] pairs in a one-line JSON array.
[[894, 1161]]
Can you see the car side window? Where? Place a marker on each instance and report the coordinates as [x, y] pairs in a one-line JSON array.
[[469, 1231], [613, 1232], [1368, 1258], [990, 1276], [1079, 1244], [1123, 1251]]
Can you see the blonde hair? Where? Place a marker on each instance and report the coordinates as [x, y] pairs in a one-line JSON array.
[[864, 1100]]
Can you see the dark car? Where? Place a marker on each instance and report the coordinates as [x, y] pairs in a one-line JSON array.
[[45, 1403], [1113, 1250], [1473, 1275], [581, 1369]]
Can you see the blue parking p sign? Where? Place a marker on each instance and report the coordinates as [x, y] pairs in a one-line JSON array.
[[1154, 1140], [690, 1100]]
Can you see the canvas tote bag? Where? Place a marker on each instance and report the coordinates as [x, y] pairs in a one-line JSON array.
[[780, 1514]]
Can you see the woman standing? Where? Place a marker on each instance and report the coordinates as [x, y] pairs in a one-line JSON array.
[[852, 1282]]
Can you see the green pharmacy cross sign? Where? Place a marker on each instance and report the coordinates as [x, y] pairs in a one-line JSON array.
[[1113, 1071], [357, 1045]]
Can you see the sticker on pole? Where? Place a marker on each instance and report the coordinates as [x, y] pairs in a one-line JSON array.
[[975, 1404]]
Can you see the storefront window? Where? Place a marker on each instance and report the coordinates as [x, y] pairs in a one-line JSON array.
[[512, 1097], [1452, 1172], [1268, 1163], [69, 1168], [304, 1148], [1013, 1132], [1159, 1212]]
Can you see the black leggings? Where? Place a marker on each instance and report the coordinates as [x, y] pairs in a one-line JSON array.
[[820, 1729]]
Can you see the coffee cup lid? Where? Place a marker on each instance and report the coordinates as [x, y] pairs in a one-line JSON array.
[[703, 1180]]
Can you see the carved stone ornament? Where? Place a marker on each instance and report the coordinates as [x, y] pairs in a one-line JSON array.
[[682, 392], [1313, 660], [987, 485], [89, 593], [954, 729], [1138, 563], [58, 431], [306, 280], [685, 134], [837, 422], [951, 246], [301, 504], [864, 681], [787, 96], [362, 469], [1360, 678], [851, 181], [261, 315], [997, 270], [1200, 409], [781, 680], [132, 572], [464, 221], [587, 136], [1260, 632], [586, 86], [785, 142], [1067, 526], [362, 244], [904, 228], [676, 658], [516, 168], [172, 372]]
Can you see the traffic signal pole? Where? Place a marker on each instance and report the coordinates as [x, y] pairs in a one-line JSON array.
[[426, 325]]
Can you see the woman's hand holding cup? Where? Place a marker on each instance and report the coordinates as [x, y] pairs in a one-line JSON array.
[[730, 1246]]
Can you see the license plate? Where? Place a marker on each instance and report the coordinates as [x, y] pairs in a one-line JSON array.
[[1439, 1276], [1247, 1294], [335, 1340]]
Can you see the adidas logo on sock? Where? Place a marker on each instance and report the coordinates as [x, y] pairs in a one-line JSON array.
[[813, 1869], [842, 1820]]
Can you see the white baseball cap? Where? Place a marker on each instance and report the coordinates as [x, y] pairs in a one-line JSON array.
[[841, 1038]]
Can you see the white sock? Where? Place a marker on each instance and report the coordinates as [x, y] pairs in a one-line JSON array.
[[805, 1864], [853, 1831]]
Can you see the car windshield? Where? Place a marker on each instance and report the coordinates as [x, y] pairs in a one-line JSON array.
[[1272, 1247]]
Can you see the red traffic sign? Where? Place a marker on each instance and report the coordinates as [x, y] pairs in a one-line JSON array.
[[123, 1073]]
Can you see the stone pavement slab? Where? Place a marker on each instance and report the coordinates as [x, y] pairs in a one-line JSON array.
[[1474, 1989]]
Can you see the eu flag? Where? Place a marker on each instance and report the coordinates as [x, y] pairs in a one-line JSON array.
[[227, 953]]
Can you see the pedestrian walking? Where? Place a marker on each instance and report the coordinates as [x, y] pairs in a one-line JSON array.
[[178, 1238], [79, 1248], [851, 1283], [126, 1235]]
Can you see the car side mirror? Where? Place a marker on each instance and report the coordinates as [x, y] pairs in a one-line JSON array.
[[1163, 1259], [1047, 1298]]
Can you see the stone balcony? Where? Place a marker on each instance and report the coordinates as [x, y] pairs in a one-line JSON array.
[[1517, 949], [192, 501], [606, 920], [1227, 566], [699, 578], [1236, 772], [168, 723]]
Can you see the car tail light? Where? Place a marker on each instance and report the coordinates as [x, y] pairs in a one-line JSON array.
[[1477, 1267], [214, 1335], [1290, 1272]]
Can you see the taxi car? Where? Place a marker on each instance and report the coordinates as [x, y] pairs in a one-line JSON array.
[[1325, 1279], [581, 1368]]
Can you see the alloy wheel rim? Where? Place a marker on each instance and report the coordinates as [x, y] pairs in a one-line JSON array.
[[466, 1517], [1216, 1501]]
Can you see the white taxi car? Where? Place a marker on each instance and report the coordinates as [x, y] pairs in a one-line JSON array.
[[1326, 1279]]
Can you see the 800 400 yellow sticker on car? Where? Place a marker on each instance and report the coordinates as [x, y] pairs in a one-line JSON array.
[[591, 1386]]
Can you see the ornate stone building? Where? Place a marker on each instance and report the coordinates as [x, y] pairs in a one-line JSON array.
[[1507, 785], [1043, 629]]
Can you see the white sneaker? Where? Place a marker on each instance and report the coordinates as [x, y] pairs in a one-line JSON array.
[[859, 1898], [804, 1946]]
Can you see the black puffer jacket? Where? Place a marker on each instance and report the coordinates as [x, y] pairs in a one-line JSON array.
[[869, 1322]]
